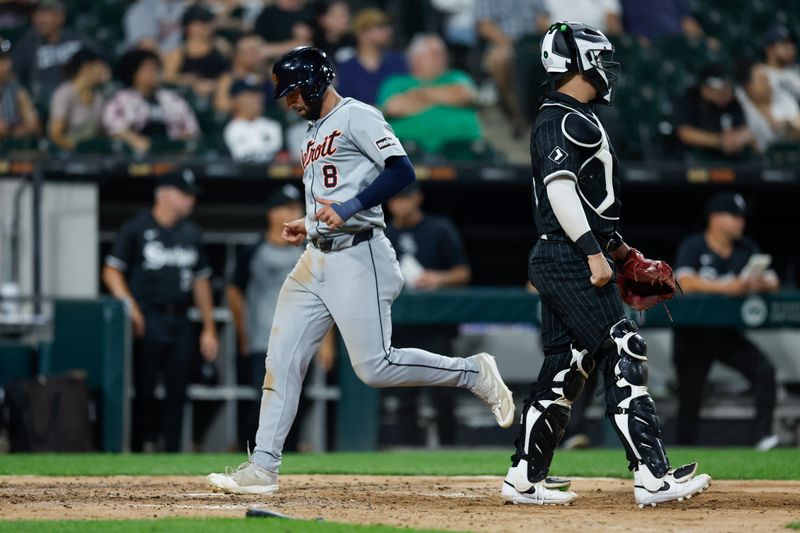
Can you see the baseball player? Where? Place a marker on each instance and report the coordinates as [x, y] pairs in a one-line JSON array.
[[576, 194], [348, 274]]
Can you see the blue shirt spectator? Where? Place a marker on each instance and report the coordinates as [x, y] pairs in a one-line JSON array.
[[360, 76], [656, 18]]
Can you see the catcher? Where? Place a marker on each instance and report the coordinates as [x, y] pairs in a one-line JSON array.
[[576, 195]]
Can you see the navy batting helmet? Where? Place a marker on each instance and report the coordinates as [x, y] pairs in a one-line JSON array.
[[306, 68]]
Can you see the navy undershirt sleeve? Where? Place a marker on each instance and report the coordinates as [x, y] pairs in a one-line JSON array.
[[396, 176]]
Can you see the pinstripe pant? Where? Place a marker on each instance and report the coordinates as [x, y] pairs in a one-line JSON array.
[[573, 310]]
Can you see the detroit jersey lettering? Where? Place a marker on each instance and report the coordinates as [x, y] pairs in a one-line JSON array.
[[342, 153]]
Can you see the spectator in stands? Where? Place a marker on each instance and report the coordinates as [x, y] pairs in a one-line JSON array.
[[654, 19], [248, 66], [76, 108], [234, 18], [772, 114], [41, 53], [502, 24], [202, 59], [158, 267], [284, 24], [432, 105], [710, 121], [143, 111], [780, 54], [154, 25], [332, 30], [250, 136], [17, 114], [431, 257], [605, 15], [712, 263], [360, 76]]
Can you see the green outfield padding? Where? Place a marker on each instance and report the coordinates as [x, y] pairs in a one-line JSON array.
[[192, 525], [723, 463]]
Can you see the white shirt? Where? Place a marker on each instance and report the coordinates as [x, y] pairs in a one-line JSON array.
[[783, 107], [785, 79], [590, 12], [253, 140]]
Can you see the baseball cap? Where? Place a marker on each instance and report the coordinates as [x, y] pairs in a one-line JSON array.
[[727, 202], [370, 17], [247, 85], [183, 180], [284, 196], [775, 34], [715, 76], [196, 14]]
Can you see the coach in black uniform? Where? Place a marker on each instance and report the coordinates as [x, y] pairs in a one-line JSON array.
[[158, 265], [576, 187], [710, 263]]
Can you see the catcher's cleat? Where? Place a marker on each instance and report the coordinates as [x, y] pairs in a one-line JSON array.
[[538, 494], [679, 484], [491, 389], [249, 478]]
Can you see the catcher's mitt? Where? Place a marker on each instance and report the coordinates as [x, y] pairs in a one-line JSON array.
[[644, 282]]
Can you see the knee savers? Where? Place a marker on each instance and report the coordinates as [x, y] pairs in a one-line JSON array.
[[631, 410]]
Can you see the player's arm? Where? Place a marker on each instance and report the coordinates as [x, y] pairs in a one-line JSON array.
[[201, 290], [396, 176], [116, 284], [236, 305]]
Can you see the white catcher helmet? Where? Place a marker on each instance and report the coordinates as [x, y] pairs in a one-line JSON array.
[[575, 47]]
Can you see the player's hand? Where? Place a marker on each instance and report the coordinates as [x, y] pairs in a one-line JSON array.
[[327, 215], [137, 318], [209, 345], [601, 270], [429, 280], [294, 232]]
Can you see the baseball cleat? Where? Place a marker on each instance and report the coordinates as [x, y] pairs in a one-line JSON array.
[[249, 478], [679, 484], [491, 389], [538, 494]]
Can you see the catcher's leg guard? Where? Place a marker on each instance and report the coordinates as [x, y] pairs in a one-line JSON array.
[[630, 408], [545, 416]]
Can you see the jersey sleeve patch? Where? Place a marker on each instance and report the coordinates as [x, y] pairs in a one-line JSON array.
[[385, 142], [558, 155]]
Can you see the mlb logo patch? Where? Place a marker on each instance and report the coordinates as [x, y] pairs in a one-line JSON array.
[[558, 155], [386, 142]]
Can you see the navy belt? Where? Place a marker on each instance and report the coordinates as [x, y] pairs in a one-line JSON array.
[[326, 244]]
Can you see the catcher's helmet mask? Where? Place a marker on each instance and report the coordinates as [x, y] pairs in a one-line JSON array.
[[572, 47], [305, 68]]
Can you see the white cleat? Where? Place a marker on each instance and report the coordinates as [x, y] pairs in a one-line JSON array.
[[249, 478], [538, 494], [676, 485], [767, 443], [491, 389]]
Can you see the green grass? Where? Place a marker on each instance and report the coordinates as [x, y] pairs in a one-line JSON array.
[[192, 525], [725, 463], [793, 525]]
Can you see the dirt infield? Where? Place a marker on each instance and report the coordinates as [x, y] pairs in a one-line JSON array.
[[459, 503]]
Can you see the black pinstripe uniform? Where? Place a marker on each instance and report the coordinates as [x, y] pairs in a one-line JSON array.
[[573, 310]]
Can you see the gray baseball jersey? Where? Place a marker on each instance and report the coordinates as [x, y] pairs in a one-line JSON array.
[[342, 153]]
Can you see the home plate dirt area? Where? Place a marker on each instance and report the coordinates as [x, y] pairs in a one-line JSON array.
[[448, 503]]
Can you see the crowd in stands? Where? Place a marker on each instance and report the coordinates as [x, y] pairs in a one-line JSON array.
[[194, 75]]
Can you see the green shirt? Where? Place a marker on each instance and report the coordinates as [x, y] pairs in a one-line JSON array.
[[438, 124]]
